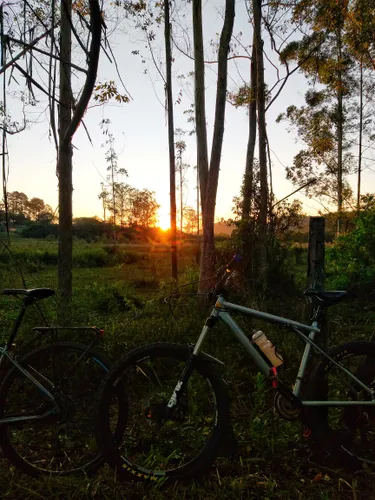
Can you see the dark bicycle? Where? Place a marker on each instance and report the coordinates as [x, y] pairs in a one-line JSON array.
[[47, 398], [179, 407]]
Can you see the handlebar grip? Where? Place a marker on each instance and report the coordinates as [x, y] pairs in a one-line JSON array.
[[237, 257]]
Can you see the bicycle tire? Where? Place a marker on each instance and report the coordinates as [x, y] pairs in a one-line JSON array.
[[334, 431], [125, 465], [11, 438]]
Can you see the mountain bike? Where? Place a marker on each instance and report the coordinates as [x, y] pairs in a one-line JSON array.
[[47, 398], [179, 408]]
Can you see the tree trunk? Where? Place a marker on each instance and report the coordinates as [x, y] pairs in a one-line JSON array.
[[207, 268], [339, 160], [247, 226], [181, 197], [198, 254], [249, 167], [113, 198], [172, 160], [263, 210], [64, 168], [68, 125], [360, 138], [200, 101], [340, 128]]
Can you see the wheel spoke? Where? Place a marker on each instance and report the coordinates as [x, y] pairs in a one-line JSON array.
[[64, 442]]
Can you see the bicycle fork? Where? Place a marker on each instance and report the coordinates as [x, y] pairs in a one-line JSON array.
[[190, 365]]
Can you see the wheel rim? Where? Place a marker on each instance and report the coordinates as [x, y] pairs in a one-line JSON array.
[[352, 429], [157, 443], [65, 442]]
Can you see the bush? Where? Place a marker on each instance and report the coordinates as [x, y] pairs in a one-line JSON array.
[[91, 256], [40, 230], [351, 260], [116, 297]]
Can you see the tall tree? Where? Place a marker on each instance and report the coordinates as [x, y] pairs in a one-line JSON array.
[[171, 145], [250, 151], [181, 147], [330, 66], [65, 166], [360, 38], [262, 140], [69, 121], [144, 208], [209, 176]]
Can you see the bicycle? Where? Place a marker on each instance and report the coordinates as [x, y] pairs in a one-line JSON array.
[[46, 398], [177, 429]]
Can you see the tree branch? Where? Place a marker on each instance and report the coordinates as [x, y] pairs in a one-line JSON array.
[[93, 58], [23, 52], [44, 52]]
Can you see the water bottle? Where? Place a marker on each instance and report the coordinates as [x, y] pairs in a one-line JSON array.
[[268, 349]]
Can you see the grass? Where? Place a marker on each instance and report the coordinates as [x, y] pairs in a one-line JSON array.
[[273, 461]]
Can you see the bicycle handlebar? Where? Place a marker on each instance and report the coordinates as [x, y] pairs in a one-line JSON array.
[[228, 268]]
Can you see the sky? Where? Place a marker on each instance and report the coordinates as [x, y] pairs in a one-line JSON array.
[[140, 127]]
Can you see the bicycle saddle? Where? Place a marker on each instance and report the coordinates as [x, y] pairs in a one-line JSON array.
[[327, 297], [34, 293]]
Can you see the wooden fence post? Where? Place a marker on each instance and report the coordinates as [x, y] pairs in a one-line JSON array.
[[315, 266], [315, 254]]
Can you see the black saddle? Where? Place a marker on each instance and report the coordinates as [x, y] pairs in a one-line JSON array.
[[327, 298], [33, 293]]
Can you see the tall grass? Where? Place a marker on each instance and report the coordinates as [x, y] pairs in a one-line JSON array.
[[121, 289]]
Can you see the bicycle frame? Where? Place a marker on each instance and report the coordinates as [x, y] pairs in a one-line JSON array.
[[28, 375], [221, 311], [6, 354]]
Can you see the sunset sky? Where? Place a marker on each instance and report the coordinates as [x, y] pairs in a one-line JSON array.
[[140, 131]]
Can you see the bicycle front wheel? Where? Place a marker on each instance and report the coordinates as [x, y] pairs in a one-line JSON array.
[[64, 442], [347, 433], [158, 444]]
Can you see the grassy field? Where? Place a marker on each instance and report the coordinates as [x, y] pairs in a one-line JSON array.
[[122, 291]]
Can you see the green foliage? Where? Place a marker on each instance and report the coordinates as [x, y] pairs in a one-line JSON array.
[[36, 230], [35, 254], [22, 210], [351, 260], [115, 297], [105, 92]]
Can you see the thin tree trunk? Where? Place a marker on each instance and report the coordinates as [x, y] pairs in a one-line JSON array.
[[181, 197], [360, 137], [208, 248], [198, 203], [263, 210], [200, 101], [172, 158], [247, 226], [68, 125], [64, 168], [113, 199], [198, 254], [340, 130], [249, 167], [339, 161]]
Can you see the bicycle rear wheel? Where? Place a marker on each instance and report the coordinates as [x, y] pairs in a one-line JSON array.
[[345, 434], [158, 444], [63, 443]]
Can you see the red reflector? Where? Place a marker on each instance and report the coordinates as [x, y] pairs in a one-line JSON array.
[[101, 332], [306, 433]]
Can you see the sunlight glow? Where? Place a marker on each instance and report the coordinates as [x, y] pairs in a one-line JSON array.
[[164, 219]]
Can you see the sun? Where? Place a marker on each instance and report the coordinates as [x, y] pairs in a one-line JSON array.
[[164, 219]]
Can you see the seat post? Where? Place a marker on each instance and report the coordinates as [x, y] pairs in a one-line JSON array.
[[18, 322], [317, 313]]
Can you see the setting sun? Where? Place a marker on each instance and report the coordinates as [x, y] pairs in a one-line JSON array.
[[164, 219]]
